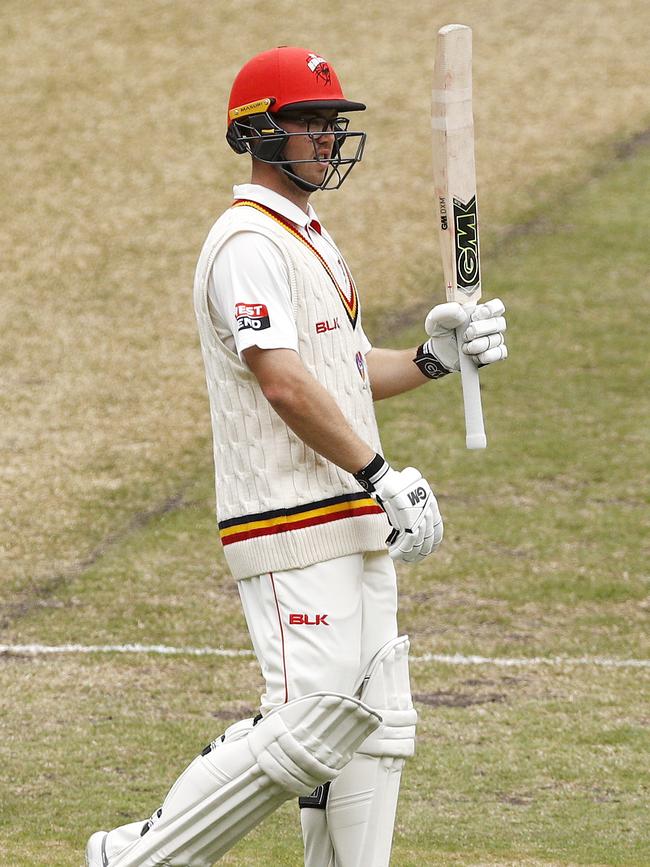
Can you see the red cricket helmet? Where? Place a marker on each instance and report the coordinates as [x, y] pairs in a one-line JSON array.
[[288, 79], [284, 79]]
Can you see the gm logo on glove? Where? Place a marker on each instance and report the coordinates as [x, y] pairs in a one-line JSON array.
[[419, 495]]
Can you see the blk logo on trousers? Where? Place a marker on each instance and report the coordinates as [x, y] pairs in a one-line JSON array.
[[308, 620]]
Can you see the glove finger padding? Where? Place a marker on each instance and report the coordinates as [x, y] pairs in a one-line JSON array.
[[499, 353], [482, 344], [409, 549], [486, 349], [404, 549], [403, 544], [484, 327], [410, 538], [433, 538], [488, 310], [410, 556], [444, 317]]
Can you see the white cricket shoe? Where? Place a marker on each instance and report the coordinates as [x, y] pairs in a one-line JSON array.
[[96, 851]]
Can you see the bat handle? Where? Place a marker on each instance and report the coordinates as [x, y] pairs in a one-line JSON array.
[[474, 428]]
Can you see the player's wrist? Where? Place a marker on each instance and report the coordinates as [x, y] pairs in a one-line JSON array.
[[429, 363], [370, 476]]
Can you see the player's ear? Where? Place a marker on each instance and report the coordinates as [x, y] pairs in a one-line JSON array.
[[258, 135]]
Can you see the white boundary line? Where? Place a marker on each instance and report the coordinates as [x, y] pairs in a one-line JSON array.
[[444, 658]]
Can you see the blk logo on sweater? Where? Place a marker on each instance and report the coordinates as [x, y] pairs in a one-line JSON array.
[[327, 325]]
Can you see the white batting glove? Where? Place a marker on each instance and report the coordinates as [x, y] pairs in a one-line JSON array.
[[484, 341], [410, 507]]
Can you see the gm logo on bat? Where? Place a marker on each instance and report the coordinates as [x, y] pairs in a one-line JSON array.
[[468, 274], [442, 202]]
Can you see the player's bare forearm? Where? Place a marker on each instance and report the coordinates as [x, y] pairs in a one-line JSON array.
[[307, 408], [393, 371]]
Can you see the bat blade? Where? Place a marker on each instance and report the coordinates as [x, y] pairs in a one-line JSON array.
[[454, 175]]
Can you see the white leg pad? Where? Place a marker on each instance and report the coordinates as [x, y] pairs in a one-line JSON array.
[[223, 794], [363, 799], [387, 688]]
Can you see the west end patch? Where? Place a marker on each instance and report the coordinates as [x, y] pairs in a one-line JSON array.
[[253, 316]]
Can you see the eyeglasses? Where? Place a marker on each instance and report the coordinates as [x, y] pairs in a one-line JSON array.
[[315, 123]]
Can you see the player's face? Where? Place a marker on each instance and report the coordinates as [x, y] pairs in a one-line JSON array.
[[315, 144]]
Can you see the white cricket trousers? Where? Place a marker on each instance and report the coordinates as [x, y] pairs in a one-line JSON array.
[[314, 629], [317, 628]]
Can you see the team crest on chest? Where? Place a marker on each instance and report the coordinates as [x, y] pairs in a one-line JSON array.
[[361, 365]]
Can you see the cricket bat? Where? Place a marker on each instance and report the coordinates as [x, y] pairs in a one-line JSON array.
[[454, 177]]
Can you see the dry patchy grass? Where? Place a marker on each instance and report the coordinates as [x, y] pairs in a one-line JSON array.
[[115, 166], [525, 767]]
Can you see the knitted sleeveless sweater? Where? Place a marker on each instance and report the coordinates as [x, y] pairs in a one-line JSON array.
[[280, 505]]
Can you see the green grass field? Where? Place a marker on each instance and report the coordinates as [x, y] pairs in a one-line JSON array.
[[114, 170]]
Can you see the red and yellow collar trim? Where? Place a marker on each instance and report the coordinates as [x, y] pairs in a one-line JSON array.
[[351, 304]]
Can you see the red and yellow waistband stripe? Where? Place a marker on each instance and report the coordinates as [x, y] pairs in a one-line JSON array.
[[351, 304], [285, 520]]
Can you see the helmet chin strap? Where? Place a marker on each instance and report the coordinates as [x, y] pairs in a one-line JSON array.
[[288, 169], [305, 186]]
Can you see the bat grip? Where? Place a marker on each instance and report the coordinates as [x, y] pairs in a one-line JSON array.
[[474, 428]]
